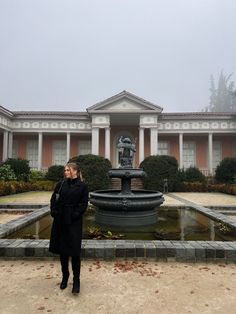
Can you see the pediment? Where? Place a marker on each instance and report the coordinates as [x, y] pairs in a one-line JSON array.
[[124, 102]]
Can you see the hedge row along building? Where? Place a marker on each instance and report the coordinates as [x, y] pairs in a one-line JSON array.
[[50, 138]]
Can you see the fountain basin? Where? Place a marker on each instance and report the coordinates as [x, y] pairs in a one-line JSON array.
[[136, 208], [136, 200]]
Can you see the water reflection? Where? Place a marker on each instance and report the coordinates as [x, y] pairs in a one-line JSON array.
[[173, 224]]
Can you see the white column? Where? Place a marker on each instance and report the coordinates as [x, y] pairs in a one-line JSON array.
[[210, 157], [153, 141], [141, 144], [5, 145], [95, 141], [40, 150], [10, 144], [180, 150], [67, 146], [107, 143]]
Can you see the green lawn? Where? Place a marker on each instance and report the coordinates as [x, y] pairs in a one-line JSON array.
[[35, 197]]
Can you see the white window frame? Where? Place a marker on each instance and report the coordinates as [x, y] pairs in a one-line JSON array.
[[59, 156], [189, 154], [32, 153], [84, 147], [163, 148]]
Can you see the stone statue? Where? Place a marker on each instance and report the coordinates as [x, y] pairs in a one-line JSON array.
[[127, 151]]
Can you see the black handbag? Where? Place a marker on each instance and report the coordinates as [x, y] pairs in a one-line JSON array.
[[57, 195]]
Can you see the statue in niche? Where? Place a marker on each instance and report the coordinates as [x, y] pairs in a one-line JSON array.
[[127, 151]]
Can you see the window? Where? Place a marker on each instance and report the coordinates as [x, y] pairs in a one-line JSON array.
[[163, 148], [59, 153], [32, 153], [84, 147], [216, 156], [189, 154], [15, 149]]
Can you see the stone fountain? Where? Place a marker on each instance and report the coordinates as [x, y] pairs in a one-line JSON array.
[[126, 207]]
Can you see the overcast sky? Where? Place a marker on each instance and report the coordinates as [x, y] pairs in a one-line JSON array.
[[71, 54]]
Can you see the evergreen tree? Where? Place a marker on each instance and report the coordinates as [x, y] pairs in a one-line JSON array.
[[222, 98]]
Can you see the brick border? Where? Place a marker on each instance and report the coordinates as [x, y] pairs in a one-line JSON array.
[[166, 251]]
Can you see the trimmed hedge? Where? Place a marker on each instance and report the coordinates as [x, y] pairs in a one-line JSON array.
[[158, 168], [13, 187], [55, 173], [94, 170], [193, 174], [20, 167], [226, 171], [203, 187]]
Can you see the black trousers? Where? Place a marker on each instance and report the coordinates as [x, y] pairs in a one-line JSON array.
[[75, 263]]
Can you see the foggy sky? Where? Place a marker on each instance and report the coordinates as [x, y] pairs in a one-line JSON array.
[[71, 54]]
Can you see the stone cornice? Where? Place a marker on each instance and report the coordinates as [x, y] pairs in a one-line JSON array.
[[5, 112], [197, 126], [198, 115]]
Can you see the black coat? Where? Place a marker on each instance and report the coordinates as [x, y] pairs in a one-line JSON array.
[[67, 211]]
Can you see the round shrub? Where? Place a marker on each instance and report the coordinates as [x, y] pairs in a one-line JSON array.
[[36, 175], [55, 173], [226, 171], [158, 168], [20, 167], [94, 170], [193, 174], [7, 173]]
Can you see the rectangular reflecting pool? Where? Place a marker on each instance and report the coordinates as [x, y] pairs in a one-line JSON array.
[[173, 224]]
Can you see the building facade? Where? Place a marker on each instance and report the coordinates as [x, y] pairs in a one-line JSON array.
[[50, 138]]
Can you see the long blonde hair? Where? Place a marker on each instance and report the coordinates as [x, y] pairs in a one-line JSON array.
[[75, 166]]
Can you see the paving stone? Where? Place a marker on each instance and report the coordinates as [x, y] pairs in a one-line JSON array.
[[180, 254], [120, 250], [29, 251], [130, 250], [109, 253], [200, 254], [89, 252], [161, 253], [99, 252], [140, 250], [210, 253]]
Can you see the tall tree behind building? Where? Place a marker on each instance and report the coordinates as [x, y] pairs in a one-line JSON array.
[[222, 98]]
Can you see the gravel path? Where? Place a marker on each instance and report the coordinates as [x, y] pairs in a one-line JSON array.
[[32, 286]]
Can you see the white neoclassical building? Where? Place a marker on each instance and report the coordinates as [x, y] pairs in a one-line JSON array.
[[46, 138]]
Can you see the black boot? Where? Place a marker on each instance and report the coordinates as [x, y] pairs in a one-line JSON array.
[[76, 285], [76, 272], [64, 281], [65, 271]]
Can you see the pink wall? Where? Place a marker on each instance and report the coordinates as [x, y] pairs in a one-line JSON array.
[[226, 144], [201, 143]]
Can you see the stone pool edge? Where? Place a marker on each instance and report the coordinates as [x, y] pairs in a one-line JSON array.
[[159, 250], [166, 251]]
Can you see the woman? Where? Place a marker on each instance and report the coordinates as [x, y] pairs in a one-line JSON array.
[[68, 204]]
